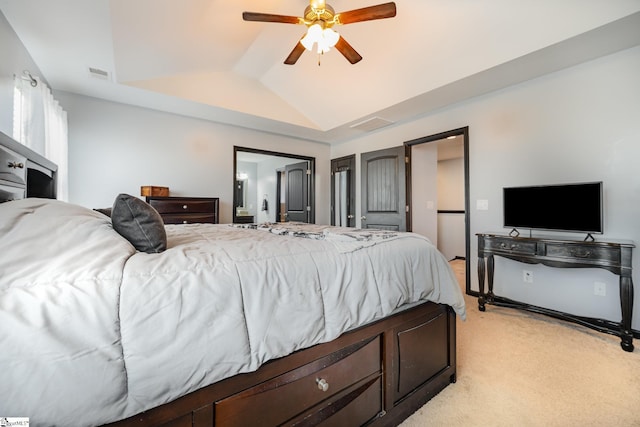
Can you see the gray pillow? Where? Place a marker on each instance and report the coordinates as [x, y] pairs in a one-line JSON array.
[[104, 211], [139, 223]]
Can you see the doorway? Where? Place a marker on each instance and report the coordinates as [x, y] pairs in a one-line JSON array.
[[441, 157], [343, 191]]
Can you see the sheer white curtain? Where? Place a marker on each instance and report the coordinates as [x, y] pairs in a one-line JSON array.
[[40, 123]]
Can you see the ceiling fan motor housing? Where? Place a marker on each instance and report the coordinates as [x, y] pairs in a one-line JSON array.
[[312, 14]]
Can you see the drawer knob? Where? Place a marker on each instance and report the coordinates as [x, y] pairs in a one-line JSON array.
[[579, 254], [322, 384], [184, 206], [185, 221], [16, 165]]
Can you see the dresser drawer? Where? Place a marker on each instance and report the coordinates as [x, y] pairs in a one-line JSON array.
[[13, 168], [182, 206], [186, 210], [510, 245], [189, 218], [280, 399], [609, 254]]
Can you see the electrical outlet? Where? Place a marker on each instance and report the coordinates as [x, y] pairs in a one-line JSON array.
[[600, 289], [527, 276], [482, 205]]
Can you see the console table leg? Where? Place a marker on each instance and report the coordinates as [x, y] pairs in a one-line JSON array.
[[490, 270], [626, 305], [481, 273]]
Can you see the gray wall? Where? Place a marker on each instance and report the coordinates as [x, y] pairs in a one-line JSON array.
[[576, 125], [116, 148]]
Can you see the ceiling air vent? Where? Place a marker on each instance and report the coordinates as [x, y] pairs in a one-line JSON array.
[[99, 73], [371, 124]]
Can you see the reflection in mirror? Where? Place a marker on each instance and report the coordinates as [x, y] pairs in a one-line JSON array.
[[240, 196]]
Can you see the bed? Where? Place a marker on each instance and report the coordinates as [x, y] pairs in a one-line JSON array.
[[225, 325]]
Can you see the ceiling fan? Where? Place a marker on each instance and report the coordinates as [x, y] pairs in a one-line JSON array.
[[320, 18]]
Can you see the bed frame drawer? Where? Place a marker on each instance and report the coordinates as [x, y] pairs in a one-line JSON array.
[[320, 388]]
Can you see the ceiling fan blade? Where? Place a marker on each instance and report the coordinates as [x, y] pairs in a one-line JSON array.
[[381, 11], [295, 54], [349, 52], [267, 17]]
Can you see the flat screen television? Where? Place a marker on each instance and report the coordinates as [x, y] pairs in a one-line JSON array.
[[566, 207]]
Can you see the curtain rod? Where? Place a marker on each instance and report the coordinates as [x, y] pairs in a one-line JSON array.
[[28, 76]]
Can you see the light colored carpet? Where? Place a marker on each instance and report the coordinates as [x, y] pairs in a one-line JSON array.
[[517, 368]]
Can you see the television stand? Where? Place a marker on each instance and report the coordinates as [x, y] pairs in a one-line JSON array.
[[612, 256]]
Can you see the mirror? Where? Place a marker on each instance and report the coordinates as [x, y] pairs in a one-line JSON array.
[[272, 187]]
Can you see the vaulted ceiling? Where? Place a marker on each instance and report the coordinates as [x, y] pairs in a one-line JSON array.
[[199, 58]]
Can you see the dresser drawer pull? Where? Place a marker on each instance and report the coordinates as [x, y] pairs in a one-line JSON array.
[[322, 384], [579, 254], [512, 247], [185, 222], [184, 207], [16, 165]]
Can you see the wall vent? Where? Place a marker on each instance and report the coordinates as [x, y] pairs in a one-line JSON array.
[[371, 124], [99, 73]]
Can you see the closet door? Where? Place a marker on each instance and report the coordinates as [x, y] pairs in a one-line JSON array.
[[383, 189]]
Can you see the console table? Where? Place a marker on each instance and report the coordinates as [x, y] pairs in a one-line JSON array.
[[612, 256]]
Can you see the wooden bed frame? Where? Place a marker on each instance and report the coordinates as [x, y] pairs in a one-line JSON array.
[[376, 375]]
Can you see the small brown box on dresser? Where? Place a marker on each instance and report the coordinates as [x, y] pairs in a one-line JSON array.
[[186, 210], [149, 190]]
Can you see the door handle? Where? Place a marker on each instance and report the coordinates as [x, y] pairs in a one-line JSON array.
[[363, 217], [350, 216]]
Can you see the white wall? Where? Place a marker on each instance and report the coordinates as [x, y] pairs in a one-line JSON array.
[[424, 194], [579, 124], [451, 238], [116, 148], [451, 184]]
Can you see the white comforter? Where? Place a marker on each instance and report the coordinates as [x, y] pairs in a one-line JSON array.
[[92, 331]]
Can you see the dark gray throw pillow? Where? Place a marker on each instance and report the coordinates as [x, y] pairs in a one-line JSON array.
[[139, 223], [104, 211]]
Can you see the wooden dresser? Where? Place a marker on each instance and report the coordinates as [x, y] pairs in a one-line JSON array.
[[186, 210]]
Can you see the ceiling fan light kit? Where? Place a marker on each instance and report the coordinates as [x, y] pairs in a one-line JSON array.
[[325, 38], [319, 18]]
